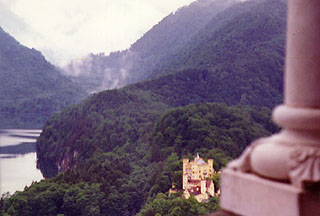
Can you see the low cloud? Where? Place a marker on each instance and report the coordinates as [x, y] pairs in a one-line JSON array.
[[64, 30]]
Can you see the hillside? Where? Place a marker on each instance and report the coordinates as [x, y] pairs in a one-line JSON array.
[[161, 43], [237, 58], [119, 168], [31, 88], [248, 32]]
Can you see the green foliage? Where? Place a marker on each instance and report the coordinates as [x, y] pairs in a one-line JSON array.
[[170, 175], [105, 122], [50, 198], [216, 181], [205, 127], [175, 205], [122, 184]]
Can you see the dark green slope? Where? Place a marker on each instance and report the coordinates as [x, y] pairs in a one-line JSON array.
[[108, 120], [178, 28], [165, 40], [242, 49], [31, 88], [242, 29]]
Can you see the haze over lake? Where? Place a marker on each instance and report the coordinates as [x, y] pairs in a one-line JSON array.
[[18, 159]]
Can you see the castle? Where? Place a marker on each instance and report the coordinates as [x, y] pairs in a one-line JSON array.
[[194, 178]]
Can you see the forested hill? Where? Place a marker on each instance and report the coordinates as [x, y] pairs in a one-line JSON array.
[[31, 88], [127, 154], [241, 62], [166, 39], [245, 36], [158, 45]]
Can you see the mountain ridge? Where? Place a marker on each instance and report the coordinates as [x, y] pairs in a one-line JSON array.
[[32, 88]]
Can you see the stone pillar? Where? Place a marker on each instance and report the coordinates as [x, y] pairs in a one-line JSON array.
[[280, 175]]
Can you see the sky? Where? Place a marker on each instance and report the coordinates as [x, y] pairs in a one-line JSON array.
[[71, 29]]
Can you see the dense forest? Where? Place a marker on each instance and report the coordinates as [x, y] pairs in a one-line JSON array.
[[119, 151], [119, 179], [31, 88]]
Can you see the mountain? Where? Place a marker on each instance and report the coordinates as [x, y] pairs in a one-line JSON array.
[[237, 58], [161, 43], [235, 37], [206, 35], [125, 145], [31, 88]]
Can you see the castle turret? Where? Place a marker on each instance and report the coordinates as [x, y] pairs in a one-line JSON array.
[[210, 163], [185, 162]]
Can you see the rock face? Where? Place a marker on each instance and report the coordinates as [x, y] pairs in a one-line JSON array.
[[31, 88]]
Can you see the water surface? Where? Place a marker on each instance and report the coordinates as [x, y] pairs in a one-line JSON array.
[[18, 159]]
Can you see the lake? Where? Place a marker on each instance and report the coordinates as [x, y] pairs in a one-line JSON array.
[[18, 159]]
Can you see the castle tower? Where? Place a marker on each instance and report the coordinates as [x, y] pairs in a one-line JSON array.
[[184, 181], [185, 173]]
